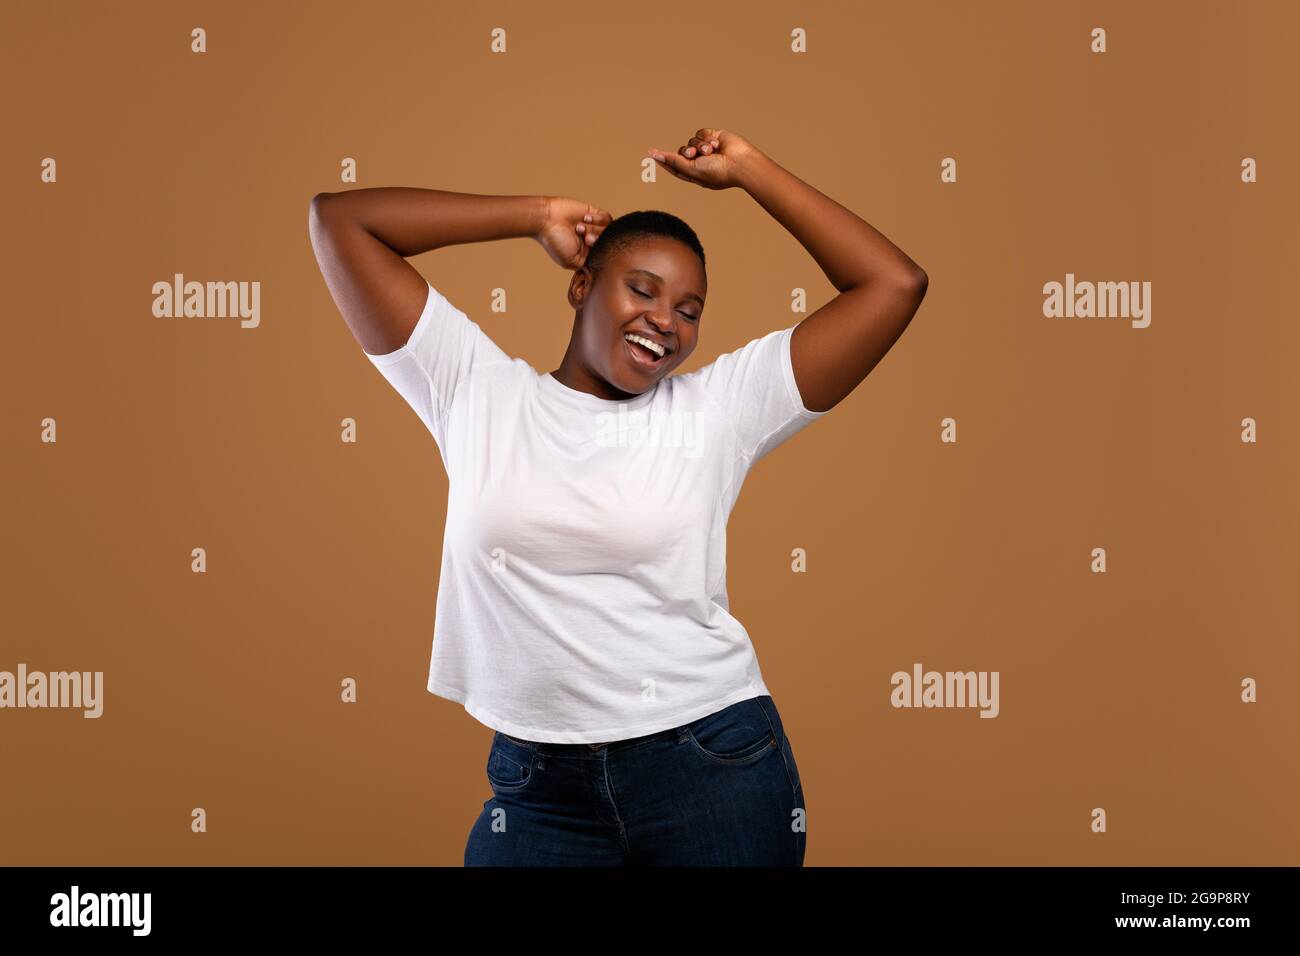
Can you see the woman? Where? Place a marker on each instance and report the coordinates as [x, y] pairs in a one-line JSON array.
[[582, 607]]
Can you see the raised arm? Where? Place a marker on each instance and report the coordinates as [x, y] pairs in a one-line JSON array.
[[362, 238], [880, 287]]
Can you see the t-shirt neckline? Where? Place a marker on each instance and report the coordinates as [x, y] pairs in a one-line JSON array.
[[587, 401]]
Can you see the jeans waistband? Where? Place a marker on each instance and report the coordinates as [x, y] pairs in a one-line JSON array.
[[673, 733], [680, 733]]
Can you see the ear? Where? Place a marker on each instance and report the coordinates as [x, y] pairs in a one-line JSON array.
[[580, 286]]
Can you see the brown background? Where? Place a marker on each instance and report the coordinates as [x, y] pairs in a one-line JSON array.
[[222, 689]]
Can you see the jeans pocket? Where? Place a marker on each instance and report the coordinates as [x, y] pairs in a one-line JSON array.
[[791, 768], [737, 734], [509, 765]]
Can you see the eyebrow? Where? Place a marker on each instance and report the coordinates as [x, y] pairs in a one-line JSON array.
[[647, 272]]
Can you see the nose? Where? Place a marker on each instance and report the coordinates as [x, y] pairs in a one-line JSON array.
[[662, 325]]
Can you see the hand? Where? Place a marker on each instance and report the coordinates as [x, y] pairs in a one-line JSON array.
[[712, 158], [569, 230]]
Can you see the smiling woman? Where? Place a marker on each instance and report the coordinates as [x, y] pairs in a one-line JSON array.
[[638, 301], [582, 608]]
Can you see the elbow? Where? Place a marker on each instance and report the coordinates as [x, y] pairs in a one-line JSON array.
[[917, 282], [318, 211], [908, 279], [319, 204]]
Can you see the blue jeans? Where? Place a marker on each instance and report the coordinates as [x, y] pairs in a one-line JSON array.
[[722, 790]]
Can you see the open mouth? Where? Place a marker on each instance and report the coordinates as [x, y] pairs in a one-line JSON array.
[[642, 354]]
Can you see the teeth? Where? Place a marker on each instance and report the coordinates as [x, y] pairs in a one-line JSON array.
[[652, 346]]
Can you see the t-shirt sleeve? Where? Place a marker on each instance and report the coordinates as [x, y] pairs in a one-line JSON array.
[[443, 350], [755, 387]]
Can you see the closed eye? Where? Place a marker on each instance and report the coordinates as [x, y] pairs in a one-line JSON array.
[[646, 295]]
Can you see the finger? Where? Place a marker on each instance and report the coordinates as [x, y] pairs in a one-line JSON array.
[[701, 146], [672, 172], [674, 163], [710, 138]]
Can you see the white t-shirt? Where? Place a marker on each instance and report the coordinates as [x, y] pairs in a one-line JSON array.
[[583, 591]]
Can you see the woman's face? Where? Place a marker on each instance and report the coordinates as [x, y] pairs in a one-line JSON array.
[[653, 290]]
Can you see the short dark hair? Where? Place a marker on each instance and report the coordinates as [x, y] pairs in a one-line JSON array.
[[629, 228]]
